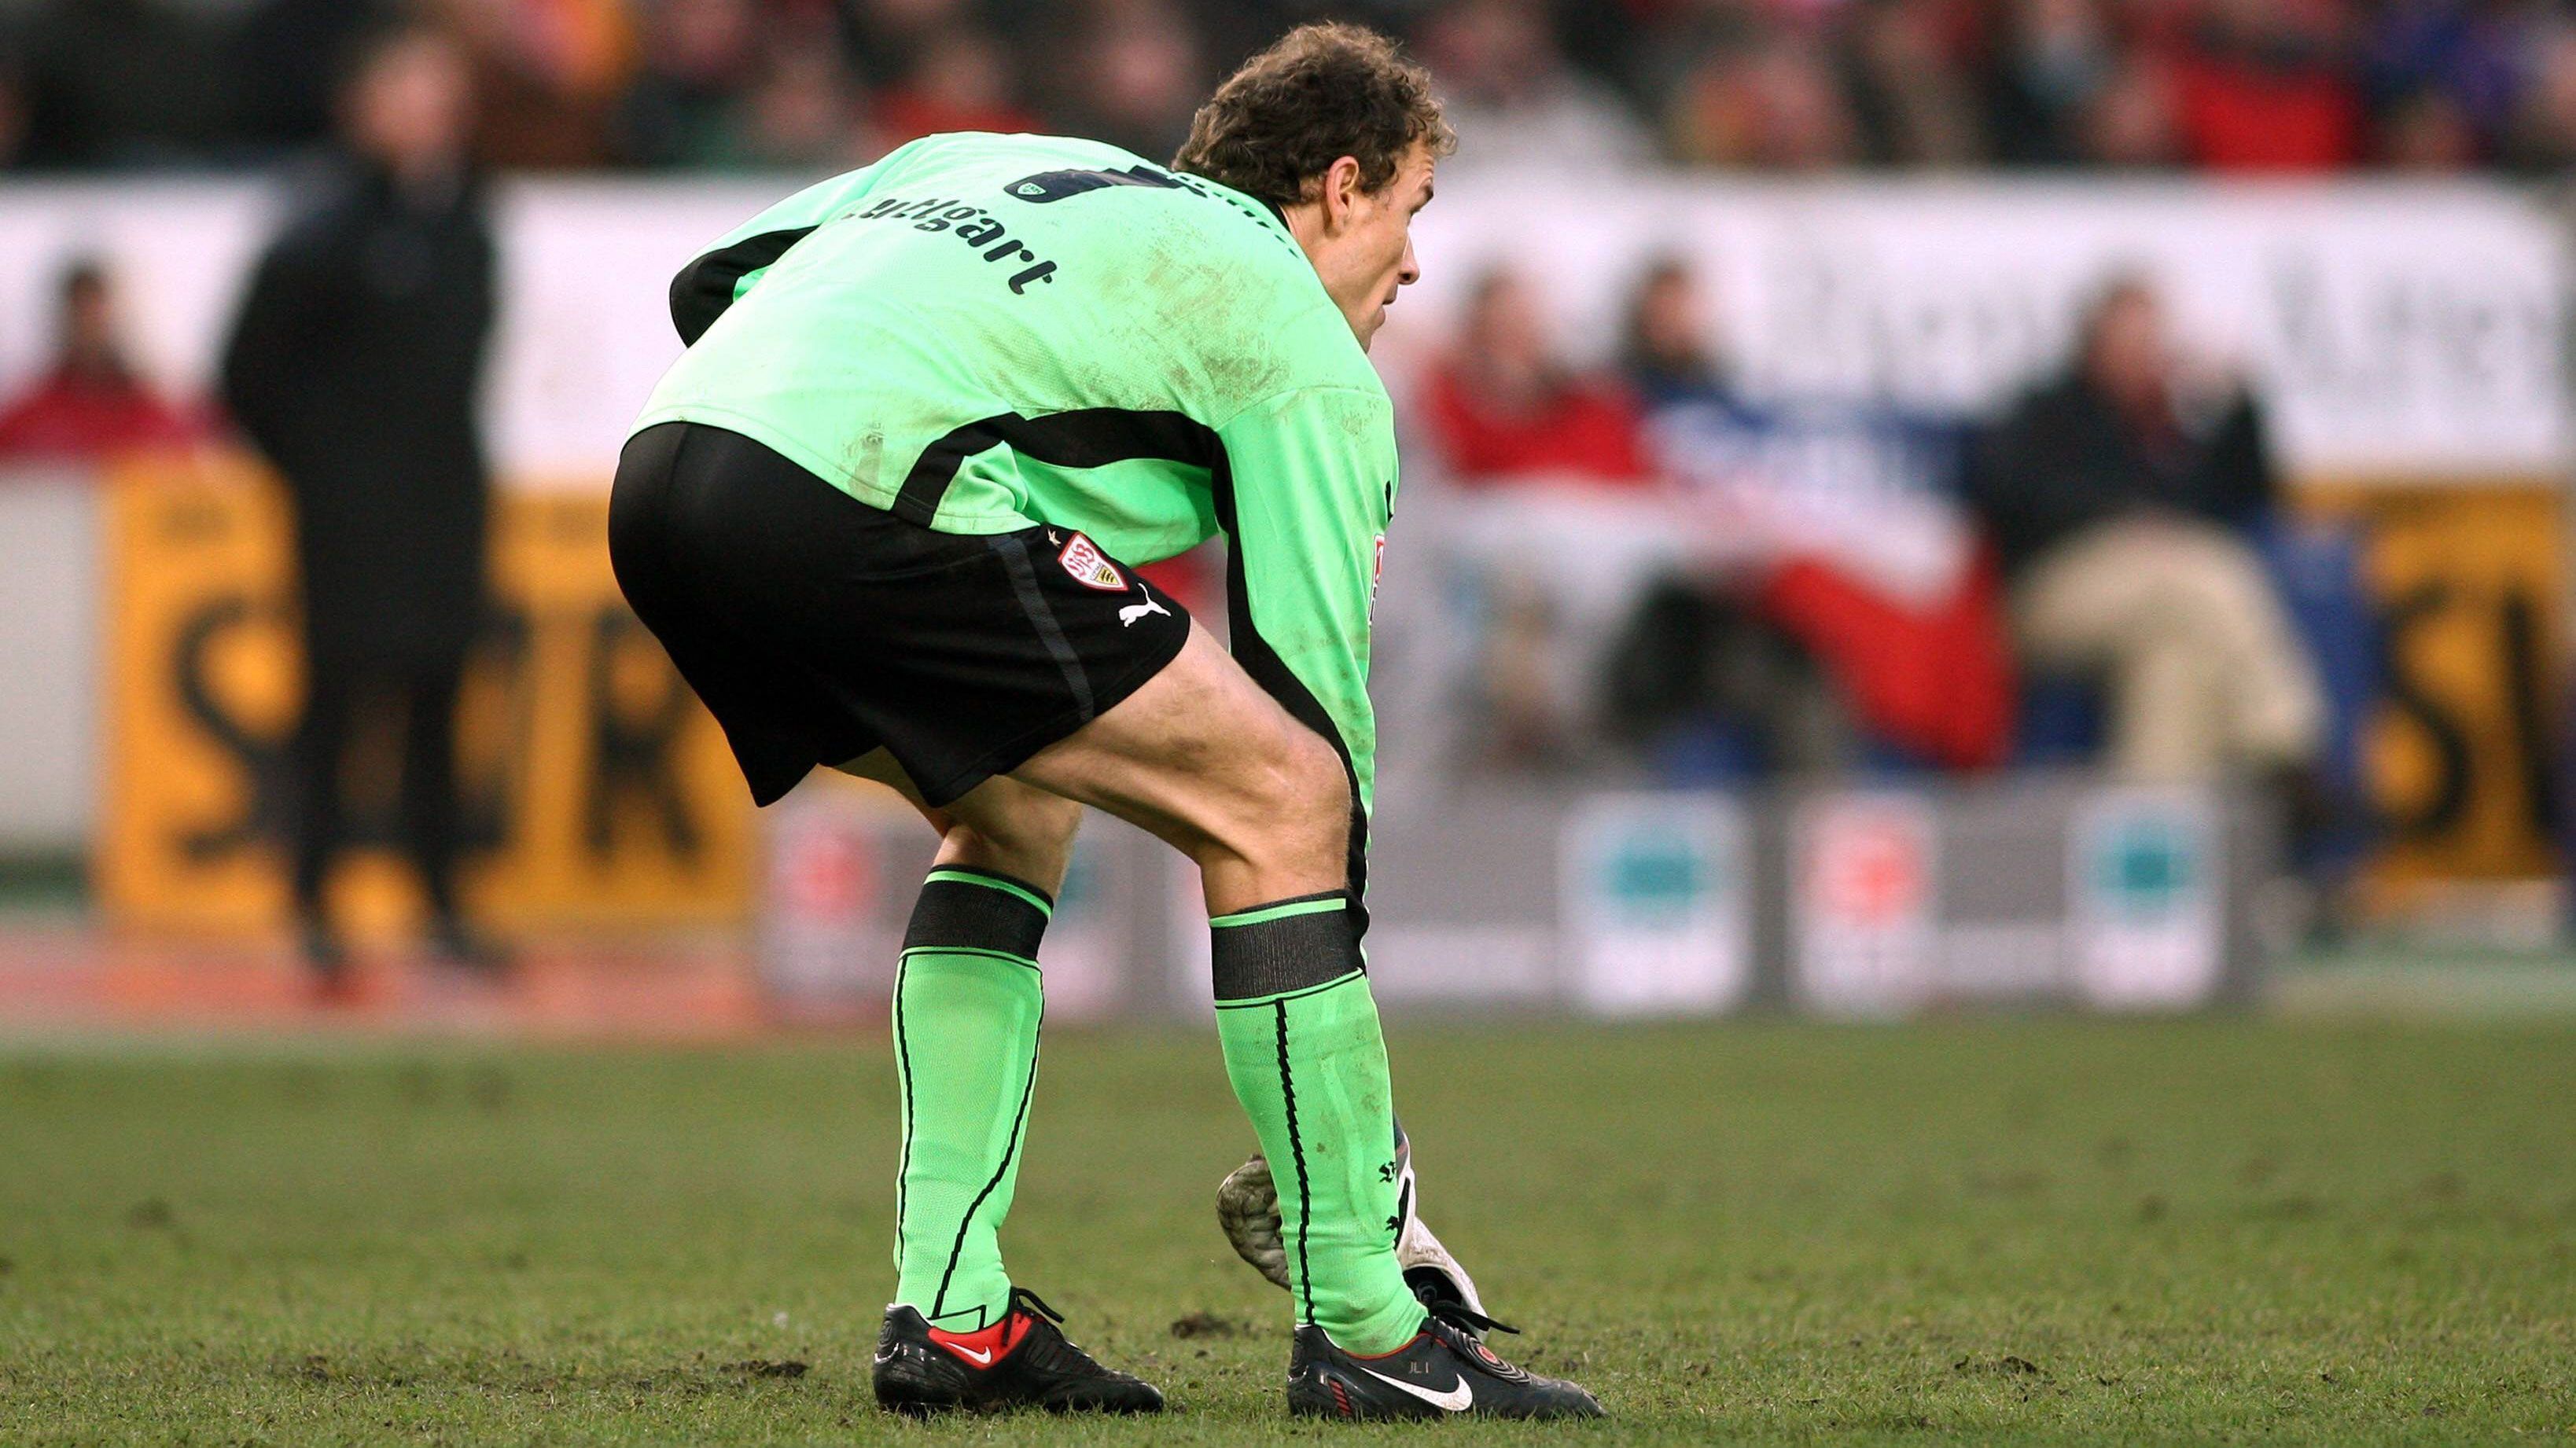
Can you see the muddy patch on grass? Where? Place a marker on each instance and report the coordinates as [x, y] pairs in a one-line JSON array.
[[1207, 1324]]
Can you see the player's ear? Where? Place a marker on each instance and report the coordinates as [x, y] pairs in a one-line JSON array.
[[1342, 192]]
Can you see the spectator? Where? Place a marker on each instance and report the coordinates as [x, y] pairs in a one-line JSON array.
[[548, 74], [2056, 59], [354, 365], [2543, 133], [283, 60], [13, 117], [2260, 87], [1511, 93], [119, 83], [1654, 48], [1504, 408], [1142, 79], [885, 38], [2465, 57], [806, 114], [1833, 571], [2124, 509], [958, 81], [1544, 453], [2129, 122], [1667, 355], [1775, 106], [2428, 130], [687, 107], [1779, 85], [91, 402], [1698, 678], [1909, 96]]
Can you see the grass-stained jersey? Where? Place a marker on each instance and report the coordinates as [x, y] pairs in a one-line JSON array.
[[984, 332]]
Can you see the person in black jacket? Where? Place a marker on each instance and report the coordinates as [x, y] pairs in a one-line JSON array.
[[354, 365], [2124, 508]]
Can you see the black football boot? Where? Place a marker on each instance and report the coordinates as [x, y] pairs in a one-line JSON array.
[[1445, 1371], [1019, 1362]]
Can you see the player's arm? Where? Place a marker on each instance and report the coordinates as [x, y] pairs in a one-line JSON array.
[[719, 277], [1310, 482]]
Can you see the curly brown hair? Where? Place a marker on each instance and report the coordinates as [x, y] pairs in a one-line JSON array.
[[1320, 93]]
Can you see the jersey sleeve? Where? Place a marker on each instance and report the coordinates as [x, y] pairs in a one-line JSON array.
[[707, 286], [1310, 485]]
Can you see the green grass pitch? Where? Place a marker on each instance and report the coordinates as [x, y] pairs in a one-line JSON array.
[[2000, 1231]]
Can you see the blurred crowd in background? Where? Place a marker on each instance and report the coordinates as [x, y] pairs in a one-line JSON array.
[[1729, 588], [1639, 570], [1718, 587], [1779, 85]]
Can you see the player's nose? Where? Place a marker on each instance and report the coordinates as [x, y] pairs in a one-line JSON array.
[[1407, 271]]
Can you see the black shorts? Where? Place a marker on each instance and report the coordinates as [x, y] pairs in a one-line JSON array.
[[817, 628]]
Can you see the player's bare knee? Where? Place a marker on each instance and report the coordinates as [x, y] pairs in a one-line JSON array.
[[1304, 812], [1032, 838]]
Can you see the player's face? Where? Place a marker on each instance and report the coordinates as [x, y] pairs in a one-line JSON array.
[[1367, 251]]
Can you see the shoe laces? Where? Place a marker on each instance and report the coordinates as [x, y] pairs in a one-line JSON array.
[[1464, 1318], [1051, 1349]]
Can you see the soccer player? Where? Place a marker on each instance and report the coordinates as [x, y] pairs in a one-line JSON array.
[[883, 514]]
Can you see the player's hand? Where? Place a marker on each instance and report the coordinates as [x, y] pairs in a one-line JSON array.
[[1247, 1207]]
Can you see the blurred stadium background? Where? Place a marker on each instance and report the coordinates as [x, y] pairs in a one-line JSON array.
[[1911, 507], [1791, 391]]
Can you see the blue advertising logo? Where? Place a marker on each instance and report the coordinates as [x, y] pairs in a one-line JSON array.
[[2144, 868]]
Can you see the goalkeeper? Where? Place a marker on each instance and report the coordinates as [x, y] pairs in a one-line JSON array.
[[883, 514]]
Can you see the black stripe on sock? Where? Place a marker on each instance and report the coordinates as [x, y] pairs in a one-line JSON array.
[[1296, 1159], [1292, 952], [959, 914], [1259, 1003], [903, 1062], [939, 1299]]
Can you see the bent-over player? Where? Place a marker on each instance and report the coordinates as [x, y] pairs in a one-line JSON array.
[[882, 514]]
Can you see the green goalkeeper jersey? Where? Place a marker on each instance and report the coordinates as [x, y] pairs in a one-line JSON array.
[[980, 333]]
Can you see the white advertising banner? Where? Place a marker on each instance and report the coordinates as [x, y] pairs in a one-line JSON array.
[[2395, 327], [1656, 907]]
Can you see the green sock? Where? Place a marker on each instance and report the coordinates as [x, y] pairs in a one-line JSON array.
[[967, 1005], [1303, 1049]]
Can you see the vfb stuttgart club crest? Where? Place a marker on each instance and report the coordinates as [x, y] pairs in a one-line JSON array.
[[1090, 567]]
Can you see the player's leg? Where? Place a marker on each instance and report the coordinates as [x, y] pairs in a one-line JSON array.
[[1201, 757], [967, 1008], [966, 1016], [817, 629], [1205, 759]]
